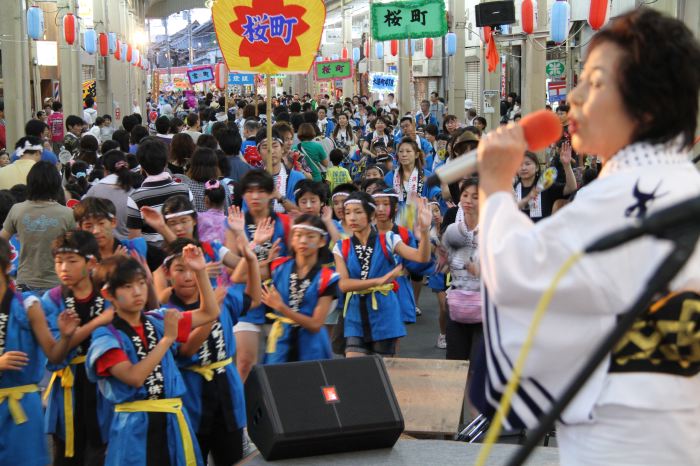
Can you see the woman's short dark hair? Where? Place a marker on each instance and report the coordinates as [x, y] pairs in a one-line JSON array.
[[152, 155], [306, 132], [204, 165], [43, 182], [88, 147], [138, 132], [122, 137], [108, 145], [181, 148], [208, 141], [659, 73]]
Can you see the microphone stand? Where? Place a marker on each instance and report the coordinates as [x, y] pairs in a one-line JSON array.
[[685, 238]]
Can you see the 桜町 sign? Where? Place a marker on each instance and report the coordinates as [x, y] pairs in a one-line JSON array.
[[382, 83], [269, 36], [408, 20], [200, 75], [241, 79], [336, 69]]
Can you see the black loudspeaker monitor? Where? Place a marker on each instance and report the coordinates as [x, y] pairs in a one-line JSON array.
[[495, 13], [320, 407]]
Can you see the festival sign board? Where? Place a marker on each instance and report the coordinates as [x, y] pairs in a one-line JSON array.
[[383, 83], [334, 69], [241, 79], [408, 20], [200, 75], [269, 36]]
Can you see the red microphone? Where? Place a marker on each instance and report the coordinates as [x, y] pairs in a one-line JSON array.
[[541, 129]]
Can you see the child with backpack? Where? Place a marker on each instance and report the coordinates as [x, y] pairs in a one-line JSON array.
[[214, 396], [368, 271], [301, 295]]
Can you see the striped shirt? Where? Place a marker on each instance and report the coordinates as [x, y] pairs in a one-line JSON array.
[[153, 192]]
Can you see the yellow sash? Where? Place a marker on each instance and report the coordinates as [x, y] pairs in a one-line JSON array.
[[208, 371], [383, 289], [277, 330], [67, 382], [13, 396], [168, 405]]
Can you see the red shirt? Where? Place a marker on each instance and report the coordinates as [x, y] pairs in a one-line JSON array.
[[114, 356]]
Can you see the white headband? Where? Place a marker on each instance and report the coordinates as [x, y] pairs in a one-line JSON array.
[[29, 147], [179, 214], [378, 195], [303, 226], [342, 193], [434, 203], [357, 201]]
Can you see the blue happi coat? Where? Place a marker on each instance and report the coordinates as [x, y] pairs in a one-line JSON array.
[[234, 304], [129, 431], [309, 345], [54, 417], [385, 321], [22, 444]]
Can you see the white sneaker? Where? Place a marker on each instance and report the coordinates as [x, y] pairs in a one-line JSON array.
[[442, 342], [248, 446], [418, 311]]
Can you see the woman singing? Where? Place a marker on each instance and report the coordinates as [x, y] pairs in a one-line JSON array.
[[636, 108]]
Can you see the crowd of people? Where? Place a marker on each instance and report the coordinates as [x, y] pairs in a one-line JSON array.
[[145, 266]]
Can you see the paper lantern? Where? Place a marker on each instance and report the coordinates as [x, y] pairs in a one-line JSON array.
[[528, 16], [413, 46], [429, 48], [122, 53], [112, 42], [560, 21], [394, 47], [90, 41], [596, 14], [335, 57], [379, 50], [104, 44], [344, 53], [367, 48], [135, 54], [129, 52], [319, 58], [35, 23], [69, 26], [221, 75], [356, 54], [326, 59], [117, 49], [451, 44]]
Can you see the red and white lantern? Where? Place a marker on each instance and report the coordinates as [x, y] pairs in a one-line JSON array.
[[528, 16]]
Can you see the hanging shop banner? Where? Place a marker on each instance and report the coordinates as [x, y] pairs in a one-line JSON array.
[[241, 79], [383, 83], [200, 75], [269, 36], [408, 20], [335, 69], [89, 89]]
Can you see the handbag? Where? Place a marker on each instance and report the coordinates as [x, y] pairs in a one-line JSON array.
[[465, 306]]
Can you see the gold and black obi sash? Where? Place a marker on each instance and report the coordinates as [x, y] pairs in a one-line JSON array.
[[664, 340]]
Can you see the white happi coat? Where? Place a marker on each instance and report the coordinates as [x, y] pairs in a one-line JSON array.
[[519, 260]]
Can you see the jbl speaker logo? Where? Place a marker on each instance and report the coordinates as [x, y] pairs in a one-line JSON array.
[[330, 394]]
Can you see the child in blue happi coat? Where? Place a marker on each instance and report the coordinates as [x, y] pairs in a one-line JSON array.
[[301, 295], [133, 361], [214, 397], [25, 339], [76, 415], [368, 271]]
